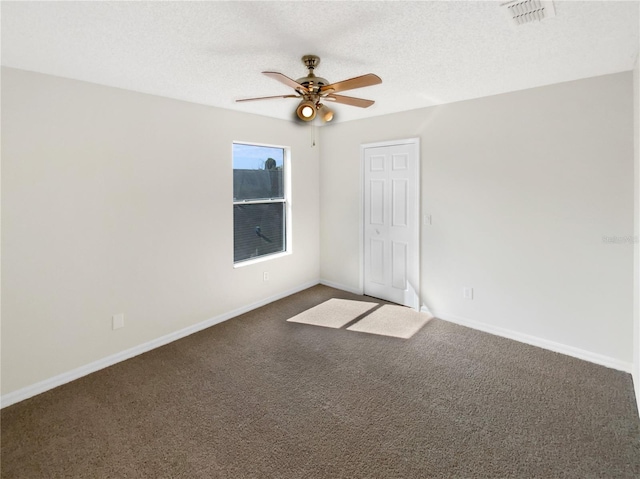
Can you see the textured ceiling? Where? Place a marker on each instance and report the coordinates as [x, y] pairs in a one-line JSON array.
[[213, 52]]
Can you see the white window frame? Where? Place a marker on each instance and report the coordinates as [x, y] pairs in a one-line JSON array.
[[286, 178]]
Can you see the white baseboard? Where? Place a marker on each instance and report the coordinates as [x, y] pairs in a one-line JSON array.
[[343, 287], [539, 342], [636, 387], [59, 380]]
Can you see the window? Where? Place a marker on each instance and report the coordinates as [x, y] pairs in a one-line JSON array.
[[259, 201]]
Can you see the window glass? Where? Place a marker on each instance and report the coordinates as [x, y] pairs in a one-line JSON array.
[[258, 172], [258, 229], [259, 202]]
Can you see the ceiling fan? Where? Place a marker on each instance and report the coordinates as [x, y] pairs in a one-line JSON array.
[[313, 90]]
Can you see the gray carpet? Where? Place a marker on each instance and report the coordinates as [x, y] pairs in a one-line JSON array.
[[261, 397]]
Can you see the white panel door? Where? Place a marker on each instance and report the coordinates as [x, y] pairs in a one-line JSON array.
[[391, 249]]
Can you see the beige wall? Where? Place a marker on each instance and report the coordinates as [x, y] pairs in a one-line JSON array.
[[120, 202], [521, 188]]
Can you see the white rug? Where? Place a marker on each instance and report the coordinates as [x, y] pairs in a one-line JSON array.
[[333, 313]]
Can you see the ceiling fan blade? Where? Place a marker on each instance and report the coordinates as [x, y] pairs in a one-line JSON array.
[[287, 81], [357, 82], [349, 100], [268, 97]]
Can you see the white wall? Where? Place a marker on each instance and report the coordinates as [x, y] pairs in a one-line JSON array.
[[115, 201], [636, 220], [521, 187], [119, 202]]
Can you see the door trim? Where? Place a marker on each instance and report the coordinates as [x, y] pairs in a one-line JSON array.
[[363, 147]]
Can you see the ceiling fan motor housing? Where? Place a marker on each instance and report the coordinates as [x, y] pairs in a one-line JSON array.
[[311, 81]]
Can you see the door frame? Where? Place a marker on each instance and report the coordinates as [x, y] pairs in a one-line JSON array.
[[363, 147]]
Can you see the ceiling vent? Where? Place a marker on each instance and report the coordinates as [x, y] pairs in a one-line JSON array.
[[527, 11]]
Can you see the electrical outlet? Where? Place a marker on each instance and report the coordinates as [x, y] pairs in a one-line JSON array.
[[467, 293], [265, 276], [117, 321]]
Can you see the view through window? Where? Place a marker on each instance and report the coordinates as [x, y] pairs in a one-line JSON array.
[[259, 201]]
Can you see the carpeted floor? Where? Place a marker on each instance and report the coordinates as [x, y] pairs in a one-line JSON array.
[[261, 397]]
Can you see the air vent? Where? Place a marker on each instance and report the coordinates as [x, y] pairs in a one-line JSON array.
[[527, 11]]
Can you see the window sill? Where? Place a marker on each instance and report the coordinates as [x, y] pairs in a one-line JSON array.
[[261, 259]]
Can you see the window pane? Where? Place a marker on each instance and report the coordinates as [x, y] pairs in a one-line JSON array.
[[257, 172], [258, 229]]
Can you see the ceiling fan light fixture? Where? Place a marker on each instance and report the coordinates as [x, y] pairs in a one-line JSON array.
[[306, 110], [326, 114]]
